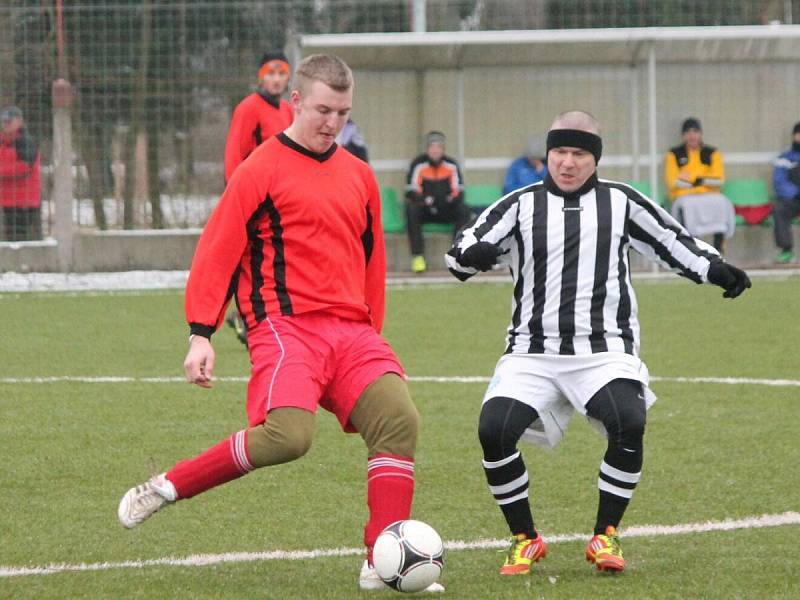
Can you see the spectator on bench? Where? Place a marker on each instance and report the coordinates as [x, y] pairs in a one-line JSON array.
[[786, 179], [434, 194], [694, 173], [528, 168], [350, 139]]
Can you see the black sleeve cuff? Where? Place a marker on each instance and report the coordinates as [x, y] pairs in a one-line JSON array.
[[205, 331]]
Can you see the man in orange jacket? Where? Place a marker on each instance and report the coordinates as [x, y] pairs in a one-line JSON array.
[[260, 115], [257, 118]]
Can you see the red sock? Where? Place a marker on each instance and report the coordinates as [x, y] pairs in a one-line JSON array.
[[226, 461], [390, 491]]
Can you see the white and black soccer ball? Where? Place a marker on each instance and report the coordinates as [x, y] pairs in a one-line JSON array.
[[408, 555]]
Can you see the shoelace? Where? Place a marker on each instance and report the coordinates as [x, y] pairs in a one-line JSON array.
[[614, 545], [511, 550]]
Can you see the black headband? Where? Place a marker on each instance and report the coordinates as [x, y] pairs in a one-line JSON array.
[[575, 138]]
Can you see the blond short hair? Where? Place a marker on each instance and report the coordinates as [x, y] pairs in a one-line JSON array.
[[330, 70]]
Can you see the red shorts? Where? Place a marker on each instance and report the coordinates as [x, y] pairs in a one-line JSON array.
[[314, 359]]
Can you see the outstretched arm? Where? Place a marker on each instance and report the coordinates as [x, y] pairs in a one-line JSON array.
[[478, 248], [656, 235]]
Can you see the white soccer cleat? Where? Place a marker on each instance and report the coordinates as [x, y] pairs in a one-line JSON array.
[[142, 501], [368, 579]]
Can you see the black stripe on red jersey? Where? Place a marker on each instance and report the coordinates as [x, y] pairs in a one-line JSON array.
[[290, 143], [278, 261], [232, 286], [257, 135], [256, 260], [368, 238]]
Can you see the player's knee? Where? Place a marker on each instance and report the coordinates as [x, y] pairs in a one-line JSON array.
[[386, 418], [285, 436], [620, 406], [631, 433], [490, 426], [500, 425], [629, 425]]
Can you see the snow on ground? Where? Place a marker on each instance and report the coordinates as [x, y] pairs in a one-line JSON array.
[[159, 280]]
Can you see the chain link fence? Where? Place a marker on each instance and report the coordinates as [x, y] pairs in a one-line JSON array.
[[154, 83]]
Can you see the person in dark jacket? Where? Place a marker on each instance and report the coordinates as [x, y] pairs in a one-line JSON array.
[[434, 194], [786, 179], [528, 168], [20, 180], [350, 139]]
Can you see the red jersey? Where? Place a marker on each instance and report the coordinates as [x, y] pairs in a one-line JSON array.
[[254, 120], [294, 232]]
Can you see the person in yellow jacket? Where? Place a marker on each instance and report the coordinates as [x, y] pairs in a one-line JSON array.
[[694, 173]]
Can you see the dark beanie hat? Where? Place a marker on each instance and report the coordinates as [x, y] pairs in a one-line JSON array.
[[434, 137], [691, 123], [796, 129], [273, 55]]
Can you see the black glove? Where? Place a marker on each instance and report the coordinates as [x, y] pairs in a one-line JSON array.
[[734, 281], [481, 256]]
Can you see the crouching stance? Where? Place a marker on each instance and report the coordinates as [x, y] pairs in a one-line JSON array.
[[297, 238], [573, 342]]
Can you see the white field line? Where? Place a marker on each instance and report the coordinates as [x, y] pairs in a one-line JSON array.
[[421, 378], [201, 560]]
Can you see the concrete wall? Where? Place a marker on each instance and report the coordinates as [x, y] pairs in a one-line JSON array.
[[173, 250], [745, 108], [107, 251]]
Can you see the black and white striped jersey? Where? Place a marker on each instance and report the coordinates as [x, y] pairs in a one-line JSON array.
[[568, 256]]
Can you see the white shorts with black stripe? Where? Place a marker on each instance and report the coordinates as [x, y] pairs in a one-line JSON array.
[[557, 385]]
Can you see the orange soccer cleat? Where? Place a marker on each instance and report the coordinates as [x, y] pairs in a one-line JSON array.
[[522, 553], [605, 551]]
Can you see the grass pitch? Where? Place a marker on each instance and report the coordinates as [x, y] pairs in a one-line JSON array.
[[71, 448]]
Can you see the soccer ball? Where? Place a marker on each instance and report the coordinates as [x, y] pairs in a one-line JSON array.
[[408, 555]]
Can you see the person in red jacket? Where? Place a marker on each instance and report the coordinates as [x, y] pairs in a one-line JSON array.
[[260, 115], [20, 183], [298, 233]]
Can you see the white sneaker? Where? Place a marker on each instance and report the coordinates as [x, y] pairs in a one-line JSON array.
[[368, 579], [140, 502]]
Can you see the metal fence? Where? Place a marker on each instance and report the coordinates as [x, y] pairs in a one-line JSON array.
[[154, 82]]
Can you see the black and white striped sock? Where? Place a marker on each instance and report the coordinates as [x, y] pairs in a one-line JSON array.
[[508, 482], [616, 485]]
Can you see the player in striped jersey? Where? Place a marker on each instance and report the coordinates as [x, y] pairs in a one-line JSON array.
[[297, 238], [573, 342]]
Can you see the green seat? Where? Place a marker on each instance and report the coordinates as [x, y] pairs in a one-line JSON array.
[[481, 196], [643, 186], [746, 192], [437, 228], [750, 199], [392, 217]]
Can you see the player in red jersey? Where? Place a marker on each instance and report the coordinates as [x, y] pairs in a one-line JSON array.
[[258, 117], [298, 232]]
